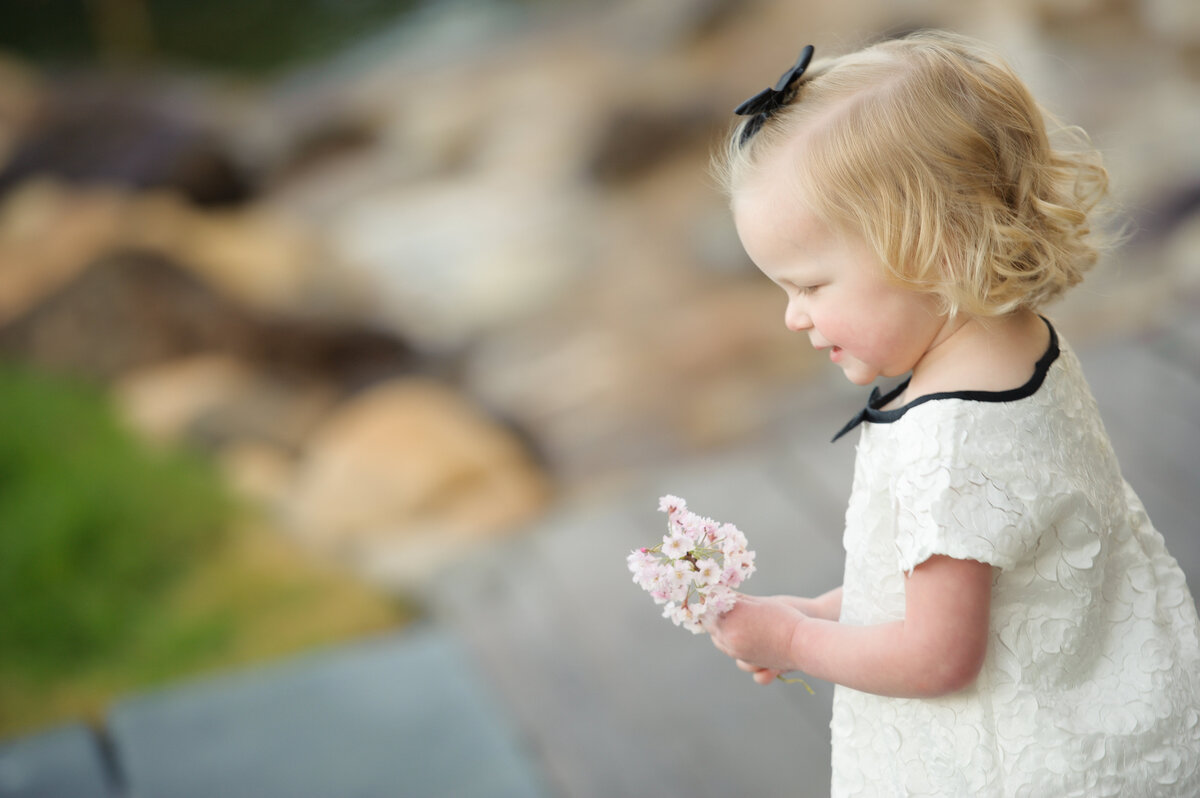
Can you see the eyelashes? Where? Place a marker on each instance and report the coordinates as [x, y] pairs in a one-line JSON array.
[[799, 290]]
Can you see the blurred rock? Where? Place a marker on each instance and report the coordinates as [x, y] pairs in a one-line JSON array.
[[255, 423], [112, 133], [635, 140], [20, 90], [258, 471], [132, 310], [322, 144], [471, 213], [1175, 21], [216, 400], [48, 236], [256, 257], [49, 232], [455, 260], [1064, 13], [407, 474], [668, 24]]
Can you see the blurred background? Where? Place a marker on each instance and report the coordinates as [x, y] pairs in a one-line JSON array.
[[301, 303]]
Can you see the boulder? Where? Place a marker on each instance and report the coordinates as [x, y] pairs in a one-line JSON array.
[[108, 132], [50, 231], [255, 256], [217, 401], [133, 309], [20, 90], [48, 235], [1174, 21], [634, 140], [406, 475], [453, 261]]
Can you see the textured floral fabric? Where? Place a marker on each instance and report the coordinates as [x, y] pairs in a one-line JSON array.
[[1091, 686]]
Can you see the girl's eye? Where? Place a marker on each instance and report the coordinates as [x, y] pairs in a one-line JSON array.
[[793, 289]]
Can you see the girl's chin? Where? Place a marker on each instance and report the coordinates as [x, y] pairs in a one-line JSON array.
[[857, 373]]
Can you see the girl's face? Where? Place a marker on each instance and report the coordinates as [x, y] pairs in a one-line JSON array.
[[836, 286]]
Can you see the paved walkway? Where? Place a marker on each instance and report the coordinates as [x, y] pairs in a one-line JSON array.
[[400, 715], [546, 673]]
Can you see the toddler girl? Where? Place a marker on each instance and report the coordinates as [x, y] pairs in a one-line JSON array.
[[1010, 623]]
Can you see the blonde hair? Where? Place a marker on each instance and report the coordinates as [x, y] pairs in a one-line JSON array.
[[933, 150]]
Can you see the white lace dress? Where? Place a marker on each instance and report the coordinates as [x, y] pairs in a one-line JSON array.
[[1091, 686]]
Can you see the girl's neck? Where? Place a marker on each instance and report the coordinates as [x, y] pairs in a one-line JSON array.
[[972, 354]]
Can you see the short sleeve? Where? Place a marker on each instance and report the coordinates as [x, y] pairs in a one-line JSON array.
[[960, 490]]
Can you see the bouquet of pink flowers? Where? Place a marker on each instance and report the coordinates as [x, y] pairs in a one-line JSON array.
[[695, 569]]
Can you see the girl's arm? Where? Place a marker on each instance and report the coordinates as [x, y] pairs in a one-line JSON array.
[[827, 606], [937, 649]]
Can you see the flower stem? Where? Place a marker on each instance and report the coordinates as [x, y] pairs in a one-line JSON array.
[[794, 680]]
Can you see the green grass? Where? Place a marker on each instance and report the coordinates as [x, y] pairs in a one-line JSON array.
[[123, 565], [94, 526]]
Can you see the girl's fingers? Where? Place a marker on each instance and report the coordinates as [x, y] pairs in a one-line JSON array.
[[765, 676], [760, 675]]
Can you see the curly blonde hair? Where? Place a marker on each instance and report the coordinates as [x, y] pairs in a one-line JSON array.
[[933, 150]]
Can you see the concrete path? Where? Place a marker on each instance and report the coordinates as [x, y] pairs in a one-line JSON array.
[[400, 715]]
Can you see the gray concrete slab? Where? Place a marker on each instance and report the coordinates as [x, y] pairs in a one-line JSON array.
[[400, 715], [1150, 404], [63, 762]]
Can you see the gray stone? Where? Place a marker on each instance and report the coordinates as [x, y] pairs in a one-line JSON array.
[[64, 761], [400, 715]]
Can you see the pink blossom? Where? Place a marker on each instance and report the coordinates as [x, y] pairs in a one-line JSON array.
[[708, 572], [695, 569], [671, 504], [676, 546]]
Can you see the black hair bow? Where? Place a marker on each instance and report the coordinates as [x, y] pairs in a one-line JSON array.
[[768, 101]]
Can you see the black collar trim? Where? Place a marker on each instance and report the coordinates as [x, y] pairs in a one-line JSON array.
[[874, 415]]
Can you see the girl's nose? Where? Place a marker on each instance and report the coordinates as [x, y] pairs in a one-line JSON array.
[[795, 318]]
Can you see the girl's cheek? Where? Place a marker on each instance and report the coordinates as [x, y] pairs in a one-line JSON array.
[[828, 324]]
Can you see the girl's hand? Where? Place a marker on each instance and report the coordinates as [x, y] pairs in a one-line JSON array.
[[760, 675], [757, 633]]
